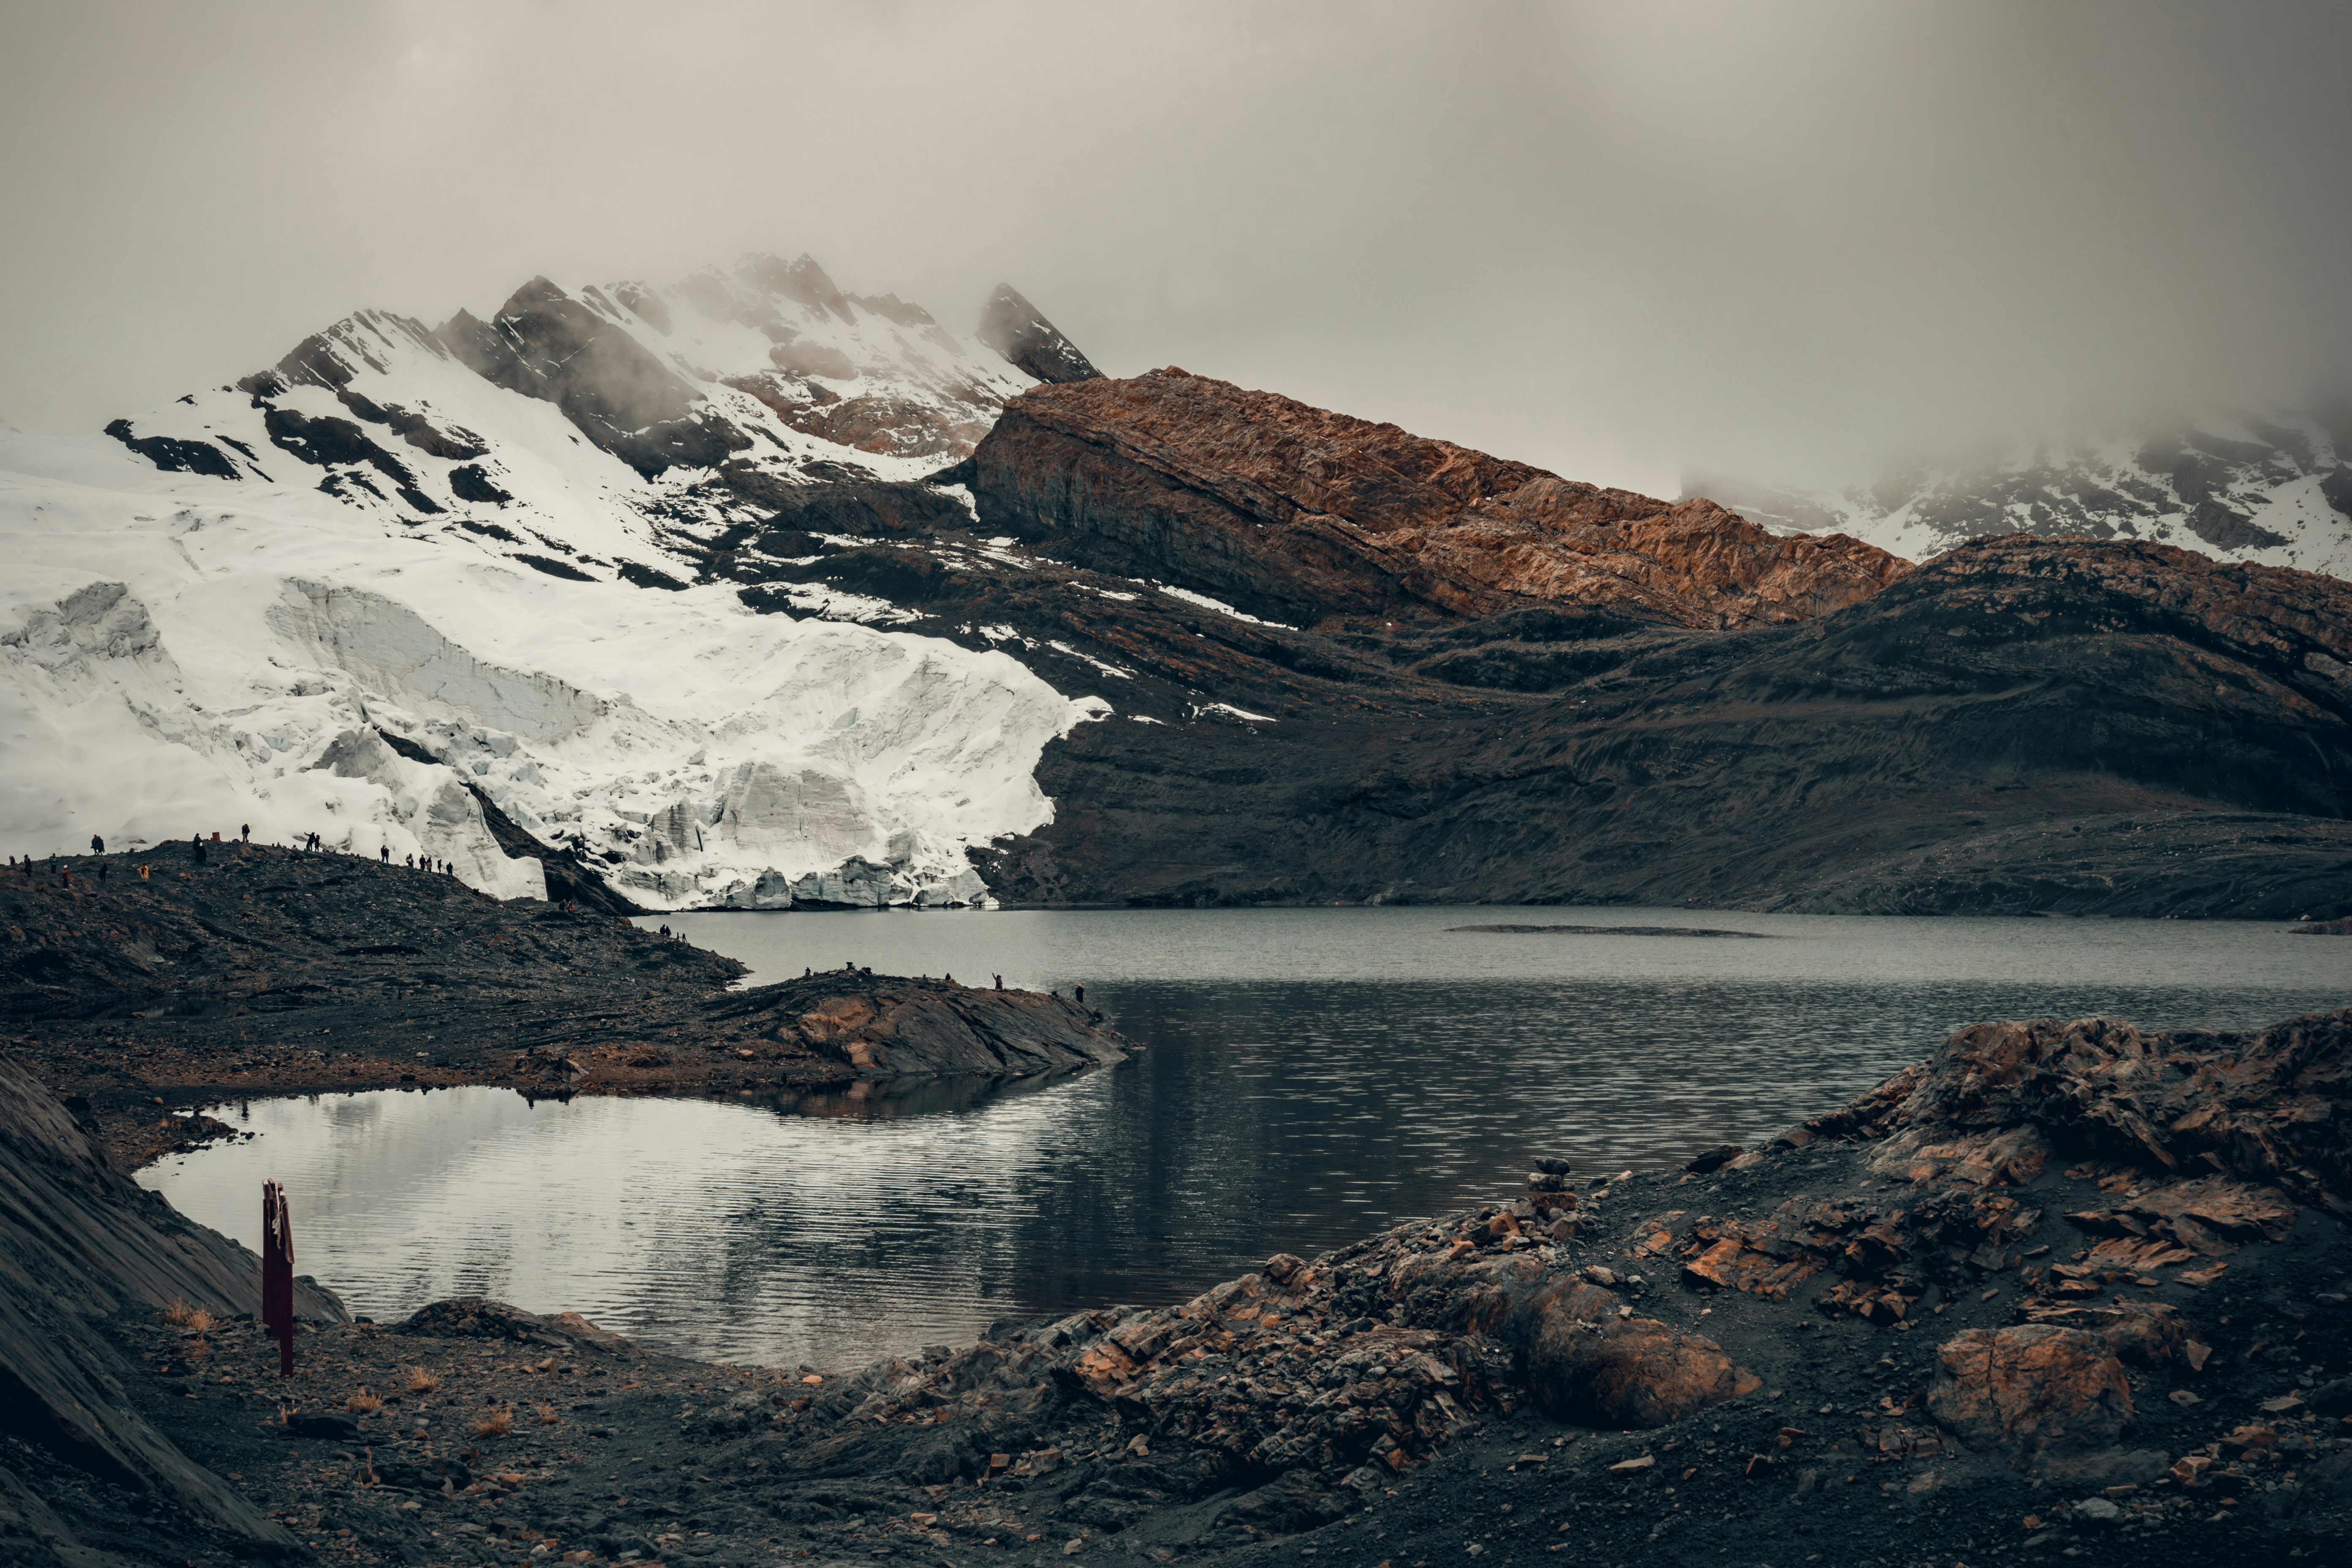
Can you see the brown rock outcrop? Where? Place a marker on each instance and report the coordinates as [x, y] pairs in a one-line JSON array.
[[2261, 1108], [2035, 1389], [1297, 512], [2145, 1333], [891, 1027], [1587, 1363]]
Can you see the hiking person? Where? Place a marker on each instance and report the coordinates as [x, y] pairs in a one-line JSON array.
[[1080, 993], [244, 834], [197, 842], [383, 853], [97, 845], [999, 982], [64, 875], [142, 871]]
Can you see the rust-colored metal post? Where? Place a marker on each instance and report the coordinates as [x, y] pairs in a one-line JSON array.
[[278, 1274]]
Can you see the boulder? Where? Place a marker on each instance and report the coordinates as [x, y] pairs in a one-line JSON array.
[[1589, 1366], [2034, 1389]]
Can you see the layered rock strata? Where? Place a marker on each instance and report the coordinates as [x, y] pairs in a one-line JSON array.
[[1298, 513]]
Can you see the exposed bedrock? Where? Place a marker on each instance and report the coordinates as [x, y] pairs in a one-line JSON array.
[[543, 343], [1296, 512], [889, 1027], [1016, 329]]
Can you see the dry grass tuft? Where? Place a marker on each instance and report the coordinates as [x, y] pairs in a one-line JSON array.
[[547, 1415], [497, 1424], [363, 1400], [196, 1320], [419, 1381]]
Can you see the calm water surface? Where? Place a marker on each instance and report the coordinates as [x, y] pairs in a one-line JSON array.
[[1309, 1076]]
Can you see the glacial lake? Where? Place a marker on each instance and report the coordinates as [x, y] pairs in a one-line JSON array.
[[1308, 1076]]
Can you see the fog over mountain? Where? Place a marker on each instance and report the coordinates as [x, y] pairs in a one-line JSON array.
[[1794, 243]]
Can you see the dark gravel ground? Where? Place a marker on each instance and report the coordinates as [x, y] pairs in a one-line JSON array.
[[613, 1451]]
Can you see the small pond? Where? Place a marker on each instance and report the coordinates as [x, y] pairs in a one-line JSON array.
[[1310, 1075]]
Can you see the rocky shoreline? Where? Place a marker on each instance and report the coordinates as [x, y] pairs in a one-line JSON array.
[[264, 971], [2060, 1286]]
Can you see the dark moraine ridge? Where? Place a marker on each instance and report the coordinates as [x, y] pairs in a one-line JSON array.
[[262, 970], [2061, 1287]]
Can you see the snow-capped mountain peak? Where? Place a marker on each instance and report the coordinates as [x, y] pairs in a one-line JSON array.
[[2274, 489], [414, 579]]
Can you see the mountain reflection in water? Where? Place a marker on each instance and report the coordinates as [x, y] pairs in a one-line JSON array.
[[1309, 1077]]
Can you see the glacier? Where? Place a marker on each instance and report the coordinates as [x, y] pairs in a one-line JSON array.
[[200, 631]]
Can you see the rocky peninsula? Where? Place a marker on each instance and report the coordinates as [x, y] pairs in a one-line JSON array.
[[259, 970]]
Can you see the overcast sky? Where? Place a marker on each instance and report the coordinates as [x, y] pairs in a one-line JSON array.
[[1791, 241]]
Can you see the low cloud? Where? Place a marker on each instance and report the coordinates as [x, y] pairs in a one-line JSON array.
[[1791, 241]]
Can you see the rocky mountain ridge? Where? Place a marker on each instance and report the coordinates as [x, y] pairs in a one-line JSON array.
[[1155, 641], [2274, 490], [1294, 512]]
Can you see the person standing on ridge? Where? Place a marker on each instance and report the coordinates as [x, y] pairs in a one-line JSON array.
[[244, 834], [999, 982], [383, 853], [97, 845]]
